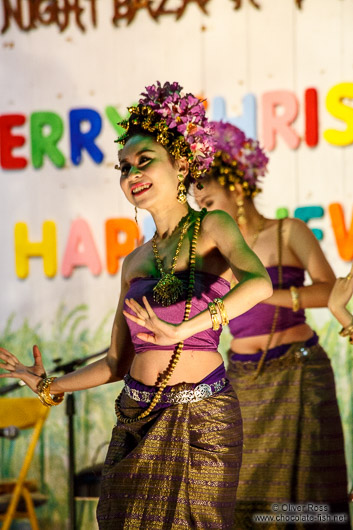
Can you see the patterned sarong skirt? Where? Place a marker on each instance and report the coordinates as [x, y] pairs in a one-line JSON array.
[[293, 442], [177, 468]]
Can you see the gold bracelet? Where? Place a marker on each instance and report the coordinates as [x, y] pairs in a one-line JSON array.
[[222, 311], [216, 322], [347, 331], [294, 292], [44, 395]]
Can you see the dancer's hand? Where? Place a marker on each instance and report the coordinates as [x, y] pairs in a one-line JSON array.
[[342, 291], [162, 333], [30, 375]]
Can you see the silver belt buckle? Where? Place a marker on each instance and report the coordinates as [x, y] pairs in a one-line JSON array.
[[202, 391], [302, 353]]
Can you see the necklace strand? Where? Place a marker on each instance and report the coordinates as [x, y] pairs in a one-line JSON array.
[[177, 251], [259, 229]]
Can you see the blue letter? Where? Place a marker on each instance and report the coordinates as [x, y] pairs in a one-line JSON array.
[[246, 122], [85, 140], [305, 213]]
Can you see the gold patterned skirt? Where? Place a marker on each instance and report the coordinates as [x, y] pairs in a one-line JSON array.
[[293, 442], [177, 468]]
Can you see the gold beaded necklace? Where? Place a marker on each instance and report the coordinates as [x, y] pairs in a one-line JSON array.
[[163, 378], [169, 288]]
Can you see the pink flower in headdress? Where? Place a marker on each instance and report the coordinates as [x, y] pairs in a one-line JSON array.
[[185, 114], [197, 149], [236, 147]]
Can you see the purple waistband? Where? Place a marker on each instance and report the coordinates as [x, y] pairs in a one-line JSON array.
[[213, 377], [273, 353]]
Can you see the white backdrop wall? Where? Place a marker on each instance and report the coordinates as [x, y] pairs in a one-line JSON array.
[[226, 54]]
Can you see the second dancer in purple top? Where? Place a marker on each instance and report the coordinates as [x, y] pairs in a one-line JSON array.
[[293, 441]]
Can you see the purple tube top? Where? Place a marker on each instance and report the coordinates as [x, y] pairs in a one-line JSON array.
[[207, 287], [258, 320]]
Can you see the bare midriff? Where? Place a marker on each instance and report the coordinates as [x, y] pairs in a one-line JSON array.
[[192, 367], [287, 336]]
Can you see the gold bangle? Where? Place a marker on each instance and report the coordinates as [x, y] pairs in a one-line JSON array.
[[216, 322], [222, 311], [44, 395], [294, 292], [347, 331]]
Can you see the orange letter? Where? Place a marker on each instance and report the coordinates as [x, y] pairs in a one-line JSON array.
[[344, 239], [46, 248], [116, 249]]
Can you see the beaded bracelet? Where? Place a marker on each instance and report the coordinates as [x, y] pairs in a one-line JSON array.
[[216, 321], [294, 292], [44, 396], [222, 311]]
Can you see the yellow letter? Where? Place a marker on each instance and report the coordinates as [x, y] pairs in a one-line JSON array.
[[46, 248], [336, 107]]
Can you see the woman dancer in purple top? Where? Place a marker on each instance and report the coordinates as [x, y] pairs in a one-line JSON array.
[[175, 453], [293, 442]]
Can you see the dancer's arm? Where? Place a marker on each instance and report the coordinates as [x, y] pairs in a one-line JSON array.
[[302, 242], [219, 231], [110, 368]]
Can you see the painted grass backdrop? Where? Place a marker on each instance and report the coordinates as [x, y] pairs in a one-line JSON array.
[[69, 339]]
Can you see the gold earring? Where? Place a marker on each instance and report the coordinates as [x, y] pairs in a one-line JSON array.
[[136, 220], [241, 219], [181, 195]]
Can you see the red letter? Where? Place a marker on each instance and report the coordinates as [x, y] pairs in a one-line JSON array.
[[311, 118], [9, 141]]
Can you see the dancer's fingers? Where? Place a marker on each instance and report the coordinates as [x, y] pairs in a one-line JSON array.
[[147, 337], [8, 366], [149, 309], [37, 355], [8, 357], [136, 308], [7, 374], [138, 320]]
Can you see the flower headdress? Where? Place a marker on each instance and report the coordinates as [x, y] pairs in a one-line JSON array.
[[177, 121], [238, 159]]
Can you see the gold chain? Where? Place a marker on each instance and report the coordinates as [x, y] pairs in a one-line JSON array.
[[164, 377], [277, 309], [258, 231], [177, 252]]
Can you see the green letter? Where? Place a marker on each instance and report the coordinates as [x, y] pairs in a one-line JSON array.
[[45, 144]]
